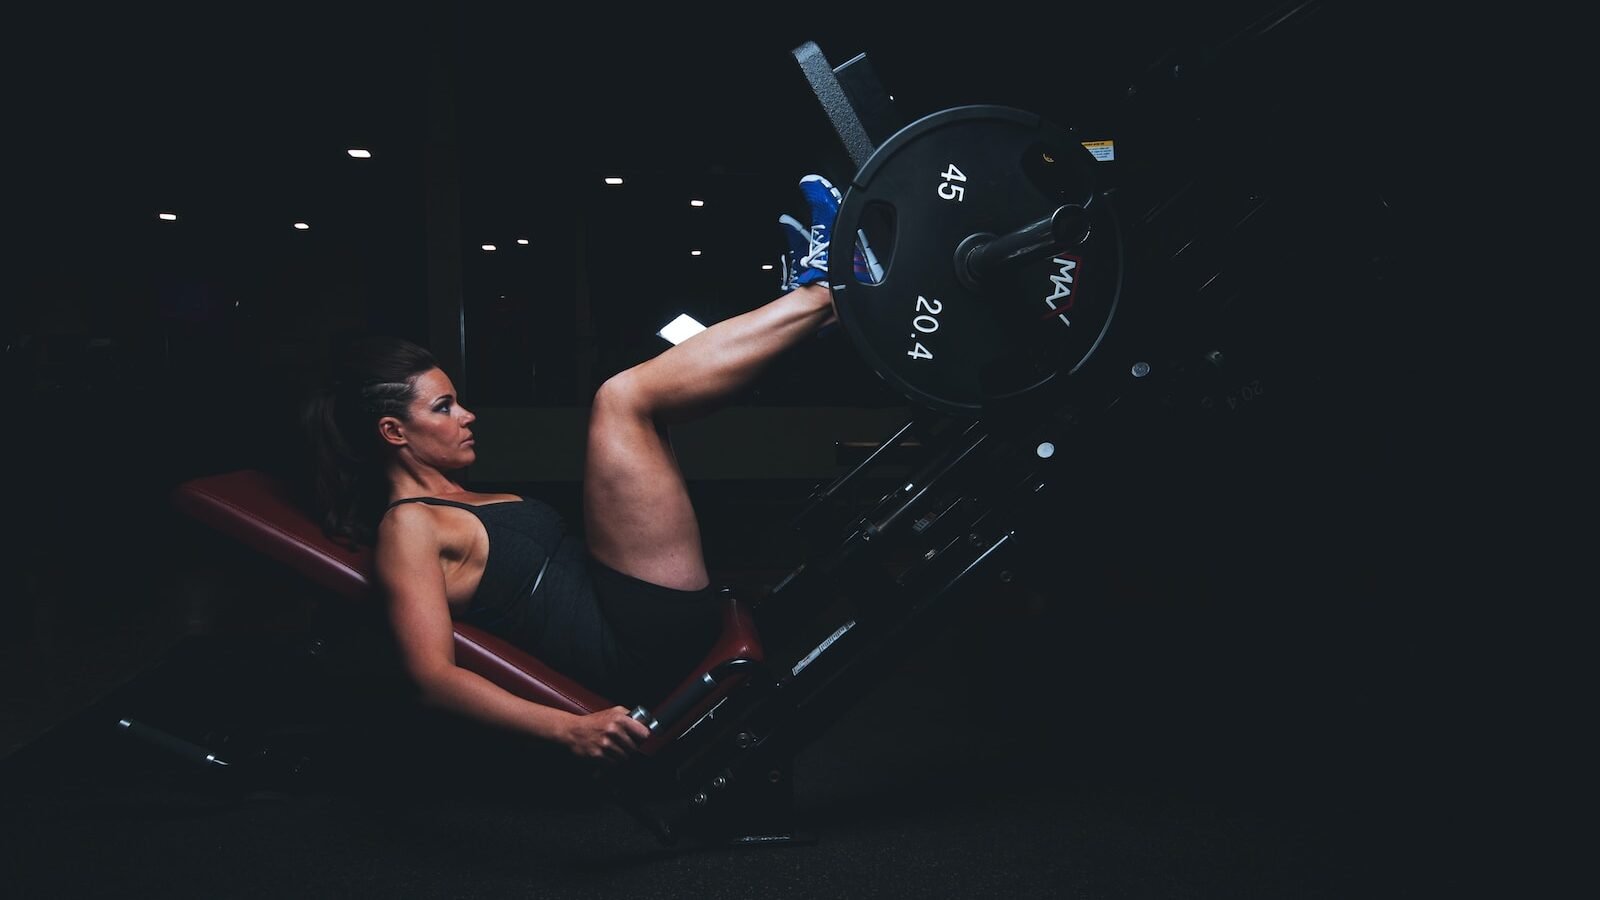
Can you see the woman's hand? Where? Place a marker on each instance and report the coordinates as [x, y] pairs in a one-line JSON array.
[[608, 735]]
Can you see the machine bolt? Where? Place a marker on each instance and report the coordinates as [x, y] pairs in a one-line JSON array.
[[744, 740], [1141, 369], [700, 799], [719, 782]]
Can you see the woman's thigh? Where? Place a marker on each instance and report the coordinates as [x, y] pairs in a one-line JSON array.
[[638, 518]]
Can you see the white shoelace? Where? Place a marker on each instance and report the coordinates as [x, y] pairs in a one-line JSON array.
[[818, 246]]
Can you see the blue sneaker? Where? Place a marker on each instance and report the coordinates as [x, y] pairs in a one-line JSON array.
[[824, 200], [799, 241]]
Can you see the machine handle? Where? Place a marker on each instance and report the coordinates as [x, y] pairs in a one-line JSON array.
[[677, 706], [192, 752]]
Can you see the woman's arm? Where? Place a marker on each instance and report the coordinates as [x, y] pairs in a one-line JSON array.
[[409, 572]]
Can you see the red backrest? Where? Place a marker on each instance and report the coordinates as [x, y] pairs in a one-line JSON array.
[[256, 510]]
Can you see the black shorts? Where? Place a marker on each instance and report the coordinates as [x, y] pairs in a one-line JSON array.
[[660, 633]]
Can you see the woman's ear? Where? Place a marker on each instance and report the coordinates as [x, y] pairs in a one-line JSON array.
[[392, 431]]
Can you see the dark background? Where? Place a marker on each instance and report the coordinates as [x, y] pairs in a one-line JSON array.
[[1280, 605], [491, 123]]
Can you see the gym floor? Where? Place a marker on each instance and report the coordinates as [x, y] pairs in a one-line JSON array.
[[983, 766]]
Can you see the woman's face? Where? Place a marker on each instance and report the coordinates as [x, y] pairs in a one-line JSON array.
[[438, 432]]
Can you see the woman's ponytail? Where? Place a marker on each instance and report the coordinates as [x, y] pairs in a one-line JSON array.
[[372, 378]]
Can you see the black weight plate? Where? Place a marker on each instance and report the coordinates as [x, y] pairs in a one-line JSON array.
[[948, 345]]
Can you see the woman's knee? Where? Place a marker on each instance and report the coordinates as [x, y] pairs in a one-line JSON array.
[[623, 407], [622, 394]]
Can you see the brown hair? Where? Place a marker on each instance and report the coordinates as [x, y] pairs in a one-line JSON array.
[[370, 378]]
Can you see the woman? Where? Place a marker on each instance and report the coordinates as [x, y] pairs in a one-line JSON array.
[[626, 609]]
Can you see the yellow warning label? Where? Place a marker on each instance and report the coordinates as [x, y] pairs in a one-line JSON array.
[[1104, 151]]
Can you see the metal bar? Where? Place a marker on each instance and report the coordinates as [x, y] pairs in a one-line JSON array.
[[835, 102]]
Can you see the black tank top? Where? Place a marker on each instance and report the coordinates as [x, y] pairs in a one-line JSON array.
[[537, 590]]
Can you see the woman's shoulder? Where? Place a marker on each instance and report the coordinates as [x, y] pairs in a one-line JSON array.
[[407, 534], [404, 518]]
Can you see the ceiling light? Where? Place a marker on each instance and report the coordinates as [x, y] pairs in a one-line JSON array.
[[301, 226], [488, 246], [697, 203], [359, 153], [694, 252], [167, 217], [522, 241], [766, 266], [612, 179]]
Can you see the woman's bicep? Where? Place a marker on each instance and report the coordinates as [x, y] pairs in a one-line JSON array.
[[411, 579]]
